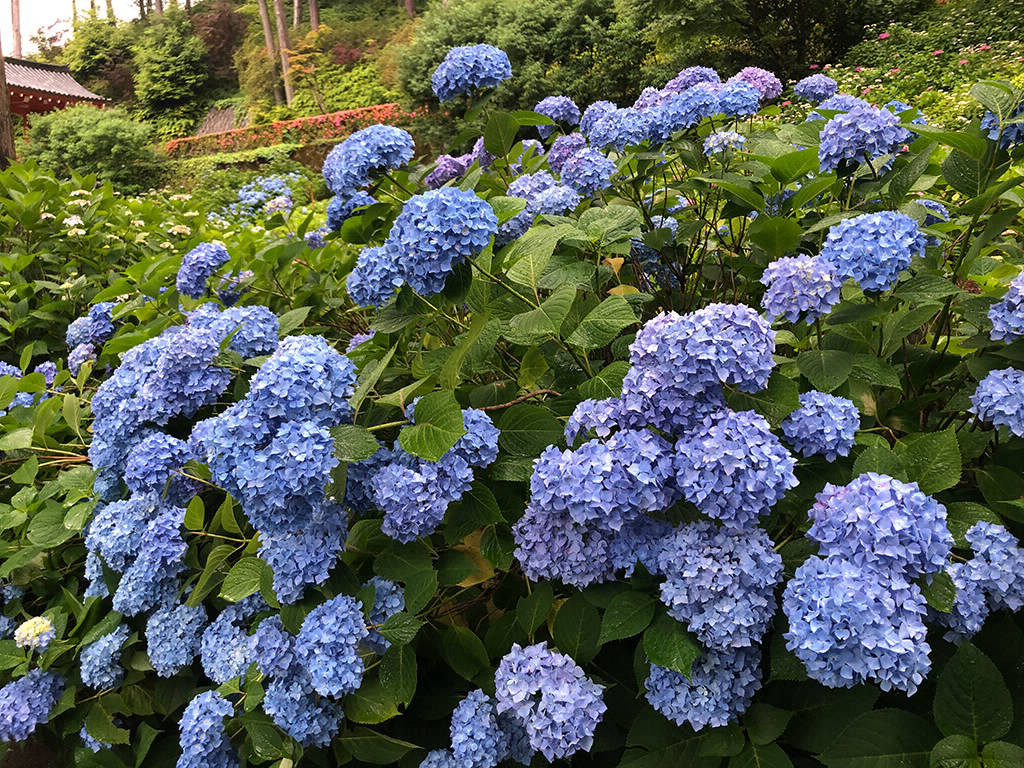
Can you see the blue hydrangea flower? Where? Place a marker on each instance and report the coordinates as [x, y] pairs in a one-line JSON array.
[[883, 524], [253, 329], [480, 155], [738, 98], [273, 648], [997, 565], [552, 697], [858, 136], [376, 277], [841, 101], [1012, 133], [172, 637], [621, 128], [800, 288], [35, 633], [327, 646], [720, 141], [720, 582], [254, 196], [439, 758], [719, 690], [1007, 315], [350, 165], [151, 578], [101, 660], [970, 608], [898, 107], [388, 599], [588, 171], [563, 148], [594, 114], [197, 266], [26, 703], [115, 531], [602, 417], [94, 328], [204, 742], [999, 399], [874, 248], [561, 109], [823, 425], [477, 739], [849, 625], [816, 88], [226, 648], [468, 68], [558, 199], [447, 169], [678, 111], [302, 558], [230, 288], [733, 468], [766, 83], [291, 703], [154, 466], [93, 745], [690, 77], [344, 205], [79, 356]]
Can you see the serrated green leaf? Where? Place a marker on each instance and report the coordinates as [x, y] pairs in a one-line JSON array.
[[292, 319], [544, 322], [667, 644], [438, 426], [939, 591], [971, 697], [243, 579], [398, 672], [372, 703], [528, 429], [464, 652], [883, 738], [826, 369], [629, 613], [931, 459], [353, 443], [577, 629], [532, 610], [602, 324], [400, 628]]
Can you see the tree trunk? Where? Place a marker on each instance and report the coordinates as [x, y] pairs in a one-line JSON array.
[[159, 6], [6, 127], [314, 14], [296, 13], [268, 41], [410, 8], [16, 26], [92, 7], [74, 13], [188, 6], [283, 45], [111, 16], [142, 9]]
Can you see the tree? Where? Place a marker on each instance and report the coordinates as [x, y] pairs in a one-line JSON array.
[[410, 8], [7, 153], [296, 13], [268, 39], [16, 26], [314, 14], [282, 46], [110, 10]]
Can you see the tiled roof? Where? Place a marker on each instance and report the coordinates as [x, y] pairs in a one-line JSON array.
[[50, 78]]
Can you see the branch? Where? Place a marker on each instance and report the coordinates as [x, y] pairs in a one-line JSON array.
[[521, 398]]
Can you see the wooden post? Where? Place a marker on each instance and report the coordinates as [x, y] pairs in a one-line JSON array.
[[7, 154], [268, 41], [283, 45]]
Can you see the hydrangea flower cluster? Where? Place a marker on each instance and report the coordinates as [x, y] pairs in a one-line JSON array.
[[690, 77], [720, 582], [468, 68], [816, 88], [35, 634], [823, 425], [388, 599], [341, 207], [593, 114], [226, 648], [720, 688], [1007, 315], [154, 466], [999, 399], [548, 693], [1007, 133], [766, 83], [352, 163], [849, 624], [543, 195], [197, 266], [79, 356], [26, 703], [738, 98], [230, 288], [874, 248], [882, 524], [254, 196], [858, 136], [561, 109], [622, 128], [414, 494], [94, 328], [800, 288], [101, 660], [563, 148], [204, 742], [482, 738], [327, 646], [292, 703], [677, 111], [733, 468], [173, 634], [447, 168], [842, 102], [588, 171], [435, 232], [722, 141]]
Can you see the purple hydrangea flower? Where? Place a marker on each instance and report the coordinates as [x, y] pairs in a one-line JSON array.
[[800, 288], [816, 88], [823, 425], [563, 148], [999, 399], [561, 109], [874, 248], [447, 169], [858, 136], [690, 77], [26, 703], [468, 68], [766, 83], [593, 114]]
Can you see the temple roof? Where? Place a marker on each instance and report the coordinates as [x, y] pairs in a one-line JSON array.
[[48, 78]]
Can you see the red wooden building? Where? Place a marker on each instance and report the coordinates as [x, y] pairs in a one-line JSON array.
[[36, 87]]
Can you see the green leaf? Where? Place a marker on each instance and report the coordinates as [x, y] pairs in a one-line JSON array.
[[506, 208], [464, 652], [882, 738], [210, 571], [940, 592], [966, 174], [998, 97], [903, 180], [475, 510], [628, 613], [607, 383], [527, 429], [72, 412], [667, 644], [826, 369], [398, 672], [777, 235], [243, 579], [932, 459], [353, 443], [880, 459], [602, 323], [438, 426], [962, 515], [765, 723], [400, 628], [955, 752], [775, 402], [794, 165], [451, 372], [10, 655], [968, 142], [577, 629], [500, 133], [544, 322], [100, 726], [811, 190], [1001, 754], [529, 255], [292, 319], [761, 756], [925, 289], [368, 746], [17, 439], [371, 704], [971, 697], [533, 609], [26, 473]]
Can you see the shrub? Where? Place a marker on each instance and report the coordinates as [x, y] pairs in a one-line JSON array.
[[106, 142]]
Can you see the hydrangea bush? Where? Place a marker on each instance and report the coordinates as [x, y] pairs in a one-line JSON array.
[[690, 437]]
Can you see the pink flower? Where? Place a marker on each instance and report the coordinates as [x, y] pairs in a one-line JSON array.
[[962, 62], [883, 36], [813, 66], [936, 53], [858, 69], [895, 55], [827, 66], [786, 103], [984, 47], [894, 71]]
